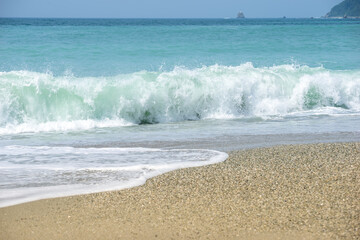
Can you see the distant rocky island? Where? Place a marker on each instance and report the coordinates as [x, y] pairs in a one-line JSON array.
[[345, 9], [240, 15]]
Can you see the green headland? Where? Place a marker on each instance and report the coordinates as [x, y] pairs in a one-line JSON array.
[[345, 9]]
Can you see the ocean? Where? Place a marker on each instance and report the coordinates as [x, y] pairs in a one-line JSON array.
[[90, 105]]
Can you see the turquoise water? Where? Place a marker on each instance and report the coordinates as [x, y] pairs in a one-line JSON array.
[[111, 47], [164, 84]]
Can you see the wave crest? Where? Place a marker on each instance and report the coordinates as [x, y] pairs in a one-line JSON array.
[[28, 98]]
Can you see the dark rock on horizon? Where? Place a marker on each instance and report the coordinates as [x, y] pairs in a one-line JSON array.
[[240, 15]]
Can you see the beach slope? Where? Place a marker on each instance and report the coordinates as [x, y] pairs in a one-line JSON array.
[[284, 192]]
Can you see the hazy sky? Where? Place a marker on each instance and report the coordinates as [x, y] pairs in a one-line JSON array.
[[164, 8]]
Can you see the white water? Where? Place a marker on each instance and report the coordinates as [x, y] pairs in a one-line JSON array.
[[41, 102], [32, 173]]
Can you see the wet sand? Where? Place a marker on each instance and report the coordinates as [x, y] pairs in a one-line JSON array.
[[284, 192]]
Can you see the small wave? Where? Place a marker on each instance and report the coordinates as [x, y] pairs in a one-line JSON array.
[[31, 101], [54, 126], [36, 172]]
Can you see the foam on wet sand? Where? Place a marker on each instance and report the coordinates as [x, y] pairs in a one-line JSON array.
[[295, 191]]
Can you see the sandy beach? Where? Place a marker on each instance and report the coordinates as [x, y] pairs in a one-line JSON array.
[[284, 192]]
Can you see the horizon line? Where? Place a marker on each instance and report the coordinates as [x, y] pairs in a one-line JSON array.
[[283, 17]]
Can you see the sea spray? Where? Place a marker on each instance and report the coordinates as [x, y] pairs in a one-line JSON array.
[[31, 101]]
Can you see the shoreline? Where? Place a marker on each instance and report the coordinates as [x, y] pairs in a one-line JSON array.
[[50, 193], [295, 191]]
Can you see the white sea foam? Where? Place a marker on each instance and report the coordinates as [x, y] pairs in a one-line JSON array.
[[35, 172], [61, 126], [41, 102]]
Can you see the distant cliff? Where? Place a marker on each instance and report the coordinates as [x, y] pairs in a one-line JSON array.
[[347, 8]]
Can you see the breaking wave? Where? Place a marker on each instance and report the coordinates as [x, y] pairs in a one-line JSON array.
[[32, 101]]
